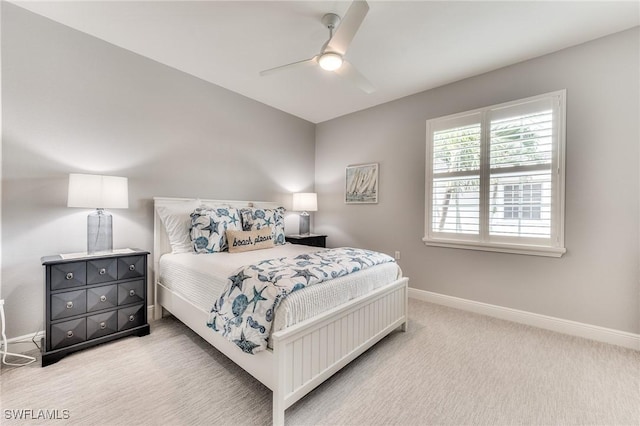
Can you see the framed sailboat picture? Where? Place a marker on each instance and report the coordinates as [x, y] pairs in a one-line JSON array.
[[361, 184]]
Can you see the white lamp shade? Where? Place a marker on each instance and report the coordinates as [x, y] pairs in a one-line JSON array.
[[98, 192], [305, 202]]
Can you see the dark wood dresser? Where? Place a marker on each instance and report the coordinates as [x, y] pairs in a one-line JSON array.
[[93, 299]]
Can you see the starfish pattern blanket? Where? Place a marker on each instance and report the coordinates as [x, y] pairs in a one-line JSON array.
[[244, 312]]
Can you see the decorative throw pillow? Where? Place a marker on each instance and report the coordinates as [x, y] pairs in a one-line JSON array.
[[255, 219], [177, 222], [249, 240], [209, 227]]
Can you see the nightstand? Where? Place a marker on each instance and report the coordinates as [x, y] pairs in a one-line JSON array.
[[93, 299], [307, 240]]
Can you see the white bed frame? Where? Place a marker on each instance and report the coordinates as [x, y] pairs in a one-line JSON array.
[[303, 355]]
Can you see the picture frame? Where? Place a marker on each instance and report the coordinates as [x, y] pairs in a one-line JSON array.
[[361, 184]]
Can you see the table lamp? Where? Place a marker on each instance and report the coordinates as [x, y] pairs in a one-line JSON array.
[[305, 202], [99, 192]]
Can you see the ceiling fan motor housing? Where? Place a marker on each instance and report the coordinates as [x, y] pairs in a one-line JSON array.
[[331, 20], [330, 61]]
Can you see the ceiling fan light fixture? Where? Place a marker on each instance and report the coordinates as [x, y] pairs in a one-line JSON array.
[[330, 61]]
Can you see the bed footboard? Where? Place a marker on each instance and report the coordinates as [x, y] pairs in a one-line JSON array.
[[309, 353]]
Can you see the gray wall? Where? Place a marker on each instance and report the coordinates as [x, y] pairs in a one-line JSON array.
[[72, 103], [597, 281], [75, 104]]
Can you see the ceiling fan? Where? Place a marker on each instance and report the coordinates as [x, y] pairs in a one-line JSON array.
[[332, 54]]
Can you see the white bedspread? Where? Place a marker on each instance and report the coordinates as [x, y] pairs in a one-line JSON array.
[[201, 278]]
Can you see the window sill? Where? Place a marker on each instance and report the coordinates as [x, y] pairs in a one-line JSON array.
[[530, 250]]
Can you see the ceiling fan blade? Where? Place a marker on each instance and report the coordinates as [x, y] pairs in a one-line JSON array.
[[349, 72], [312, 61], [348, 27]]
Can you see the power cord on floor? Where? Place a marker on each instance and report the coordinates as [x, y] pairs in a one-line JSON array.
[[33, 339], [29, 359]]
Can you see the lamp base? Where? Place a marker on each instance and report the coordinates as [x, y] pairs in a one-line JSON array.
[[99, 232], [304, 223]]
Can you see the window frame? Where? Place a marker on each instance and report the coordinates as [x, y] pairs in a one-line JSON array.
[[552, 246]]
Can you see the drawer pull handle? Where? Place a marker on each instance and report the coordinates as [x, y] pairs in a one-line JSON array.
[[132, 317], [103, 298], [69, 304], [103, 325], [102, 271], [69, 334], [132, 267], [69, 275], [132, 292]]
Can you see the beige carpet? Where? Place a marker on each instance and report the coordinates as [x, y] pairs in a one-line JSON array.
[[450, 368]]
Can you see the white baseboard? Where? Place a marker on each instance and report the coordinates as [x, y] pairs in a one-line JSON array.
[[573, 328]]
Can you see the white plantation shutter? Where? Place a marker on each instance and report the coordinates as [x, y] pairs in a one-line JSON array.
[[495, 178], [456, 178]]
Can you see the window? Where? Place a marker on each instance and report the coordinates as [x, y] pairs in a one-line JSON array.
[[522, 201], [495, 178]]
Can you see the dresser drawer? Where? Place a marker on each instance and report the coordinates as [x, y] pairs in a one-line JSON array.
[[102, 271], [68, 304], [102, 324], [66, 275], [130, 317], [131, 267], [102, 297], [130, 292], [68, 333]]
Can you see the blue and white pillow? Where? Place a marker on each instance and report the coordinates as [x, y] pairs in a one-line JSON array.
[[209, 227], [254, 219]]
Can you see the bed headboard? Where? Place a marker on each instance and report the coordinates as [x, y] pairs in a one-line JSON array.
[[161, 241]]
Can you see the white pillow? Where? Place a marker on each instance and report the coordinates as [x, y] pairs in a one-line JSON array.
[[177, 222]]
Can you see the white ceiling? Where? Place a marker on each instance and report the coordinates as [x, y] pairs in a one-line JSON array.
[[401, 47]]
